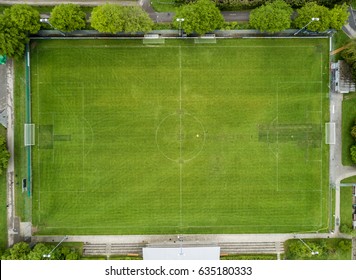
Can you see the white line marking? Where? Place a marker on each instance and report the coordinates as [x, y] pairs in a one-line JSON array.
[[180, 140], [38, 146], [83, 135], [321, 138]]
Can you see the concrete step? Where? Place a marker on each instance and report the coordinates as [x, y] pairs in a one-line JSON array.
[[251, 248], [112, 249]]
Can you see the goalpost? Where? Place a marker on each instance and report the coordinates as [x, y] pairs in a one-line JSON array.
[[205, 39], [153, 39], [29, 134]]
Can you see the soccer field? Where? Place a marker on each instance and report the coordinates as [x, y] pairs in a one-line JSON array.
[[181, 137]]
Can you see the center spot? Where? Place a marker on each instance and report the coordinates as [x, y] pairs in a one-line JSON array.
[[180, 136]]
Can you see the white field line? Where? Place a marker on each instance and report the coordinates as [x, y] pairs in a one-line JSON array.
[[52, 139], [38, 146], [76, 191], [180, 140], [190, 226], [181, 107], [83, 135], [173, 47], [277, 154], [321, 138]]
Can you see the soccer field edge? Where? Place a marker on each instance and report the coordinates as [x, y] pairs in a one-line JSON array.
[[325, 111]]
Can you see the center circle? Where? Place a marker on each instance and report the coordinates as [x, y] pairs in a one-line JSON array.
[[180, 137]]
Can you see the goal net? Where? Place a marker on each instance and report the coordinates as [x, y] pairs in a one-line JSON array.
[[153, 39], [330, 137], [29, 134], [206, 39]]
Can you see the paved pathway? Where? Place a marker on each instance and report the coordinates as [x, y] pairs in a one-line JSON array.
[[229, 243], [3, 98], [12, 230], [188, 239]]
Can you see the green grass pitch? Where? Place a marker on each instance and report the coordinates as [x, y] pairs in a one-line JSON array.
[[179, 138]]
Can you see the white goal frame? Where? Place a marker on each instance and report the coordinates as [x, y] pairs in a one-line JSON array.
[[29, 134]]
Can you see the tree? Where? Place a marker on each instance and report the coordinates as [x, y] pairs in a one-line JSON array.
[[353, 153], [4, 154], [272, 17], [25, 18], [349, 54], [313, 10], [234, 5], [12, 42], [18, 252], [107, 18], [16, 23], [67, 253], [200, 17], [38, 252], [296, 3], [22, 251], [353, 131], [68, 17], [136, 19], [338, 16]]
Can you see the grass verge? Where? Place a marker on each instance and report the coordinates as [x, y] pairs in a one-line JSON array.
[[248, 257], [23, 210], [348, 120]]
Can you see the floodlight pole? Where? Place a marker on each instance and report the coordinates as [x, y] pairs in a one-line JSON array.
[[305, 26], [311, 250], [60, 242], [180, 31], [46, 20], [180, 238]]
